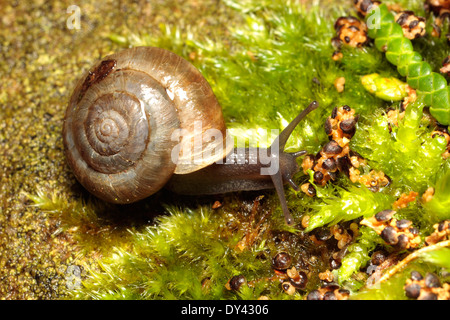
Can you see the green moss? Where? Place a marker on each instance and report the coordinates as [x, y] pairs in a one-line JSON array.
[[358, 254], [348, 205], [187, 255], [409, 155], [439, 258], [437, 208]]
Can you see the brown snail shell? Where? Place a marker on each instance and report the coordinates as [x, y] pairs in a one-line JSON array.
[[121, 116]]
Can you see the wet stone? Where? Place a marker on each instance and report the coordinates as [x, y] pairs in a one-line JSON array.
[[389, 235], [384, 215], [281, 261], [403, 223], [402, 242], [378, 257], [332, 147], [415, 275], [412, 290], [428, 296], [236, 282], [313, 295], [348, 126], [432, 280]]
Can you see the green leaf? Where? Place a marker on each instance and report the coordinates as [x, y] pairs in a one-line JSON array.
[[440, 257], [388, 89]]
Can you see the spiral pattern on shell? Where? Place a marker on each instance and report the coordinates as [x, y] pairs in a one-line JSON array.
[[121, 116]]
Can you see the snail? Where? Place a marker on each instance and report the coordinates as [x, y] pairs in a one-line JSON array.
[[120, 124]]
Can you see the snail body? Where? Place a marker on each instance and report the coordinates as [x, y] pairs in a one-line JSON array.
[[119, 131], [240, 172]]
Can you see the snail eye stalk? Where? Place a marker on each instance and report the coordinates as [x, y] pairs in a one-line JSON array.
[[278, 177]]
